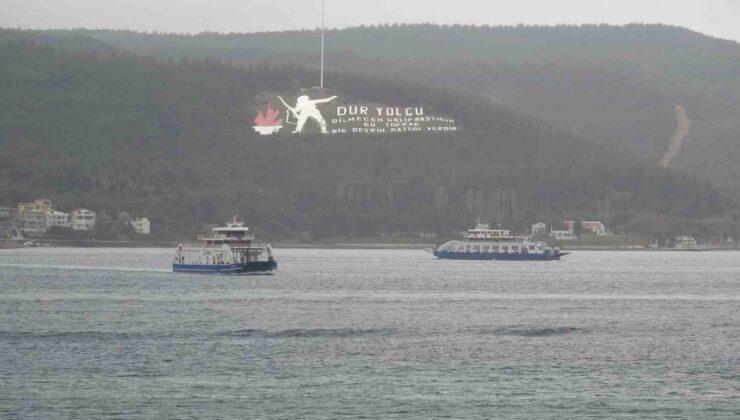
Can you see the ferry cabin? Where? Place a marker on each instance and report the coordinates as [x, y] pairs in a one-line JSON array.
[[507, 248], [493, 236], [225, 246]]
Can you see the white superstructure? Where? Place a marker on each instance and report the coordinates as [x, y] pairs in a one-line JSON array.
[[227, 245], [484, 243]]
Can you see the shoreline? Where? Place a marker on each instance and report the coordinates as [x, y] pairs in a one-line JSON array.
[[16, 244]]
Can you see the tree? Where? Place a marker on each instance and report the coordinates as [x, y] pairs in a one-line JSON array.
[[578, 229]]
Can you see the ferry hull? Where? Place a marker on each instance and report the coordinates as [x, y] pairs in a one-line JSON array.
[[485, 256], [241, 268]]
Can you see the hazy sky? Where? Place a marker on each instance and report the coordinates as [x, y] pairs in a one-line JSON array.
[[719, 18]]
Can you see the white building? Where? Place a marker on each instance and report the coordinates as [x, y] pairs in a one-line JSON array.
[[83, 219], [597, 228], [42, 205], [562, 235], [685, 242], [539, 229], [141, 225], [6, 221], [57, 218], [33, 222]]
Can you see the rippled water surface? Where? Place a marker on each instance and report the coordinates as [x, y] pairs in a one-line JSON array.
[[370, 333]]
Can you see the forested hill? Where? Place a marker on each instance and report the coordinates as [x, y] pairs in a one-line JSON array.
[[174, 141], [617, 85], [666, 55]]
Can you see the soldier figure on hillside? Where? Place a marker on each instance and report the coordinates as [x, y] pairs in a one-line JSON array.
[[304, 109]]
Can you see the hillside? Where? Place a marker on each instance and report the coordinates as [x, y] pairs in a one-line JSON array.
[[615, 85], [666, 55], [174, 141]]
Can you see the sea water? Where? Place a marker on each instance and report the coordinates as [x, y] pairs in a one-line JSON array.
[[97, 333]]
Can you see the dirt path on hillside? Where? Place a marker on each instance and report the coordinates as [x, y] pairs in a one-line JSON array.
[[682, 130]]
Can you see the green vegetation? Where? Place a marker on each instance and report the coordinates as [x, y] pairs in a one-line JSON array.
[[616, 85], [172, 140]]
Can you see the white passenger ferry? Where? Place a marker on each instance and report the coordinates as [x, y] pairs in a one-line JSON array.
[[228, 250], [484, 243]]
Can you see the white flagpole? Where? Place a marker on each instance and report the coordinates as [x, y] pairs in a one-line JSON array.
[[323, 15]]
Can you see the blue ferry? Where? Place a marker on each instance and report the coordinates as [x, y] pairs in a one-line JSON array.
[[228, 250], [484, 243]]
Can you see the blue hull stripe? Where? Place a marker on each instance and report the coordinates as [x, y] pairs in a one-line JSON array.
[[485, 256]]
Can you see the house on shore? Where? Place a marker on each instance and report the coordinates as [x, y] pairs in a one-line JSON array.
[[83, 219], [685, 242], [594, 227], [539, 229], [141, 225]]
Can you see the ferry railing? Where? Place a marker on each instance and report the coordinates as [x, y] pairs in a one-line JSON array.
[[224, 237]]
